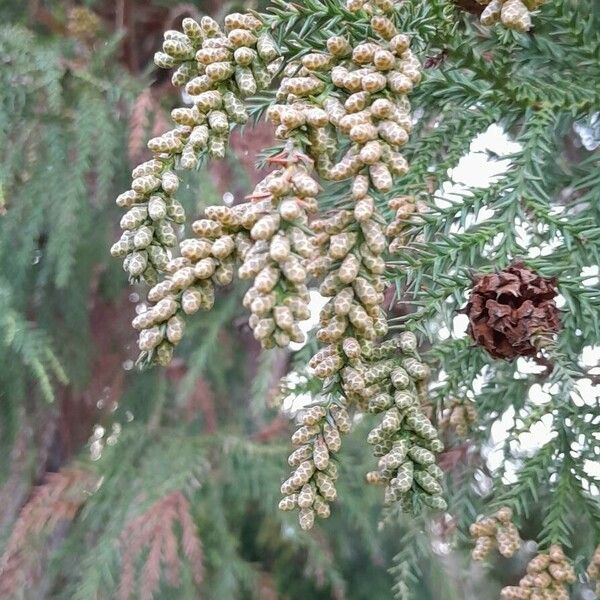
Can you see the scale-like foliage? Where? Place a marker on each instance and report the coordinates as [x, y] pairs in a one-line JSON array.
[[196, 441]]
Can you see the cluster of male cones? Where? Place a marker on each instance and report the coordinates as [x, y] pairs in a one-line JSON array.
[[280, 238]]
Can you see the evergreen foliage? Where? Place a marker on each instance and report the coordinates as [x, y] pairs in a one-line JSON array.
[[164, 483]]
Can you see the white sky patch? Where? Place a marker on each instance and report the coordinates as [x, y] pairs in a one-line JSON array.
[[317, 302], [478, 169], [590, 275]]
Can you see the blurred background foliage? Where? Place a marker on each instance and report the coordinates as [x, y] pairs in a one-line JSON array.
[[117, 483]]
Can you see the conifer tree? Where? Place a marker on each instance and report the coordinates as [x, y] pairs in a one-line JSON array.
[[372, 105]]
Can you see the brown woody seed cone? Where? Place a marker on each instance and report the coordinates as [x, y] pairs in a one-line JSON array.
[[509, 308]]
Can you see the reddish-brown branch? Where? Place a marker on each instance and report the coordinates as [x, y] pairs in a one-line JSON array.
[[154, 529]]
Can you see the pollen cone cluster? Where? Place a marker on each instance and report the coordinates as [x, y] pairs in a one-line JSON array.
[[265, 239], [593, 569], [461, 415], [495, 531], [280, 247], [368, 112], [366, 107], [355, 132], [364, 119], [372, 6], [311, 485], [548, 576], [513, 14], [149, 224], [405, 210], [404, 441], [218, 69], [206, 260], [350, 247]]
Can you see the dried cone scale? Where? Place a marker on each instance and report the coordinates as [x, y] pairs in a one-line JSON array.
[[218, 69], [497, 531], [513, 14], [548, 577]]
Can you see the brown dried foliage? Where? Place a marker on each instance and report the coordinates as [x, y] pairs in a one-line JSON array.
[[144, 112], [55, 502], [508, 309], [154, 530]]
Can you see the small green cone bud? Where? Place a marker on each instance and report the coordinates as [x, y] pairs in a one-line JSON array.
[[320, 454], [483, 546], [178, 49], [300, 454], [216, 147], [435, 471], [304, 434], [408, 342], [163, 354], [164, 60], [404, 477], [427, 482], [341, 418], [306, 518], [175, 211], [157, 209], [289, 502], [245, 81], [138, 261], [435, 502], [325, 486], [312, 415], [332, 438], [175, 329], [266, 47], [150, 338], [321, 507], [235, 108], [379, 403], [143, 237], [303, 473], [391, 421], [306, 496], [169, 182], [403, 399], [415, 369], [421, 455], [376, 435]]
